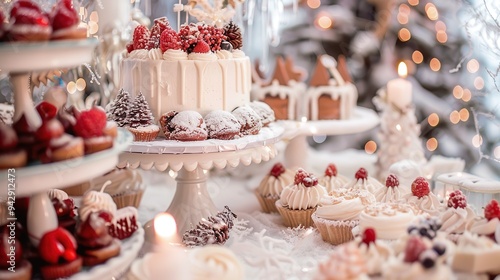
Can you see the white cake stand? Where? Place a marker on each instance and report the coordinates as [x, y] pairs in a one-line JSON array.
[[296, 132], [192, 160]]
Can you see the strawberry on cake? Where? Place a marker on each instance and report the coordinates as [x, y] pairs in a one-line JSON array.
[[28, 22], [491, 221], [66, 22]]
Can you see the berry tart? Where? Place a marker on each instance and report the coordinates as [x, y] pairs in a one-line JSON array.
[[11, 248], [364, 182], [10, 155], [90, 125], [271, 186], [331, 179], [299, 200], [65, 22], [28, 22], [184, 126], [57, 250], [392, 192], [422, 199]]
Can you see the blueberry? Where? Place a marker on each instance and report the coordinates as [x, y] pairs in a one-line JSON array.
[[428, 258], [225, 45], [423, 232], [439, 248]]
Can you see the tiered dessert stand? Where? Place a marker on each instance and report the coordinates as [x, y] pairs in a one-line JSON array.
[[192, 161], [362, 120], [19, 59]]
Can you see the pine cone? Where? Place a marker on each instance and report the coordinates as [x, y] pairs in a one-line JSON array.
[[213, 230], [233, 34]]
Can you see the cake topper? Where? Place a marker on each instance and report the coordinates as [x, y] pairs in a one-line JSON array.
[[219, 14]]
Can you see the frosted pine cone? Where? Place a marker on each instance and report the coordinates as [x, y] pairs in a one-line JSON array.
[[233, 34]]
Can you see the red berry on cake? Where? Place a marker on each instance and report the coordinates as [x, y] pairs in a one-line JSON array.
[[8, 138], [414, 247], [201, 47], [392, 181], [277, 170], [420, 187], [56, 245], [49, 130], [169, 40], [369, 236], [160, 24], [130, 47], [64, 16], [457, 200], [492, 210], [361, 174], [331, 170], [307, 179], [46, 110], [28, 22], [90, 123], [299, 176], [141, 37]]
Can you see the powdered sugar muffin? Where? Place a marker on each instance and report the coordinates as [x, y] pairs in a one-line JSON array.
[[392, 192], [299, 200], [458, 215], [222, 125], [422, 199], [345, 262], [184, 126], [390, 220], [338, 214], [265, 112], [332, 180], [364, 182], [249, 120], [272, 185]]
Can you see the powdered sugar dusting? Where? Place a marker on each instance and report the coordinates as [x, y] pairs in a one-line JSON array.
[[221, 122]]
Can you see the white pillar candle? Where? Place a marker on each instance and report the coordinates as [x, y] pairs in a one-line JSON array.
[[113, 14], [399, 91], [166, 232]]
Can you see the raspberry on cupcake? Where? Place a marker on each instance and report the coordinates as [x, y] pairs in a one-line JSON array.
[[458, 214], [331, 179], [271, 186], [90, 125], [364, 182], [393, 192], [422, 199], [491, 221]]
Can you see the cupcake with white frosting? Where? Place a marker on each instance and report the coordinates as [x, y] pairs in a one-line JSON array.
[[390, 220], [299, 200], [331, 179], [95, 201], [491, 221], [392, 192], [338, 214], [364, 182], [422, 199], [272, 185], [214, 263], [345, 262], [458, 214], [375, 252]]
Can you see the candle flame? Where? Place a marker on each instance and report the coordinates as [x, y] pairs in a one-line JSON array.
[[402, 69], [165, 225]]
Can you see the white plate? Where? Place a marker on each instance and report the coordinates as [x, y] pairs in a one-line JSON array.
[[363, 119], [27, 57], [38, 178], [115, 268], [267, 135]]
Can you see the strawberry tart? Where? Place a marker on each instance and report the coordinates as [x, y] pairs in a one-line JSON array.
[[198, 67]]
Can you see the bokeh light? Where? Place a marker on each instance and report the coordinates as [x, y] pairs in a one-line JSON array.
[[479, 83], [458, 92], [433, 119], [477, 140], [441, 36], [404, 34], [71, 87], [431, 11], [496, 152], [417, 57], [370, 147], [473, 66], [454, 117], [435, 64], [464, 114], [80, 84], [324, 22], [313, 4], [466, 97], [432, 144], [413, 2]]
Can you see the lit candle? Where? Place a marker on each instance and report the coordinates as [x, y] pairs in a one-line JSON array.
[[399, 91], [166, 236]]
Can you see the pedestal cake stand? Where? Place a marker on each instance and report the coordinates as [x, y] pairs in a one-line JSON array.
[[296, 132], [192, 160], [19, 60]]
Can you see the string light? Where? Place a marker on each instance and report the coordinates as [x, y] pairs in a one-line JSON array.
[[496, 152], [458, 92], [454, 117], [432, 144], [433, 119], [441, 36], [472, 66], [477, 140], [313, 4], [413, 2], [464, 114], [402, 18], [440, 26], [71, 87], [417, 57], [80, 84], [404, 34], [466, 97], [370, 147], [479, 83], [404, 9], [431, 11], [93, 27], [94, 16], [323, 21], [435, 64]]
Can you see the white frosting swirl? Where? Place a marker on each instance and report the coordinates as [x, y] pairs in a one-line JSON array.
[[390, 194], [156, 265], [59, 194], [155, 54], [174, 55], [209, 56], [482, 226], [224, 54], [456, 220], [469, 242], [369, 184], [344, 204], [333, 182], [271, 186], [94, 201], [300, 197], [214, 263], [238, 54], [426, 204], [139, 54], [390, 220], [376, 255]]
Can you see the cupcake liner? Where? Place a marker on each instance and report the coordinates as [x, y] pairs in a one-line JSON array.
[[295, 218], [334, 232], [267, 203], [144, 136], [65, 270], [129, 198]]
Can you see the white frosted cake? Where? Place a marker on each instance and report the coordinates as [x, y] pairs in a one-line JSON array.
[[180, 71]]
